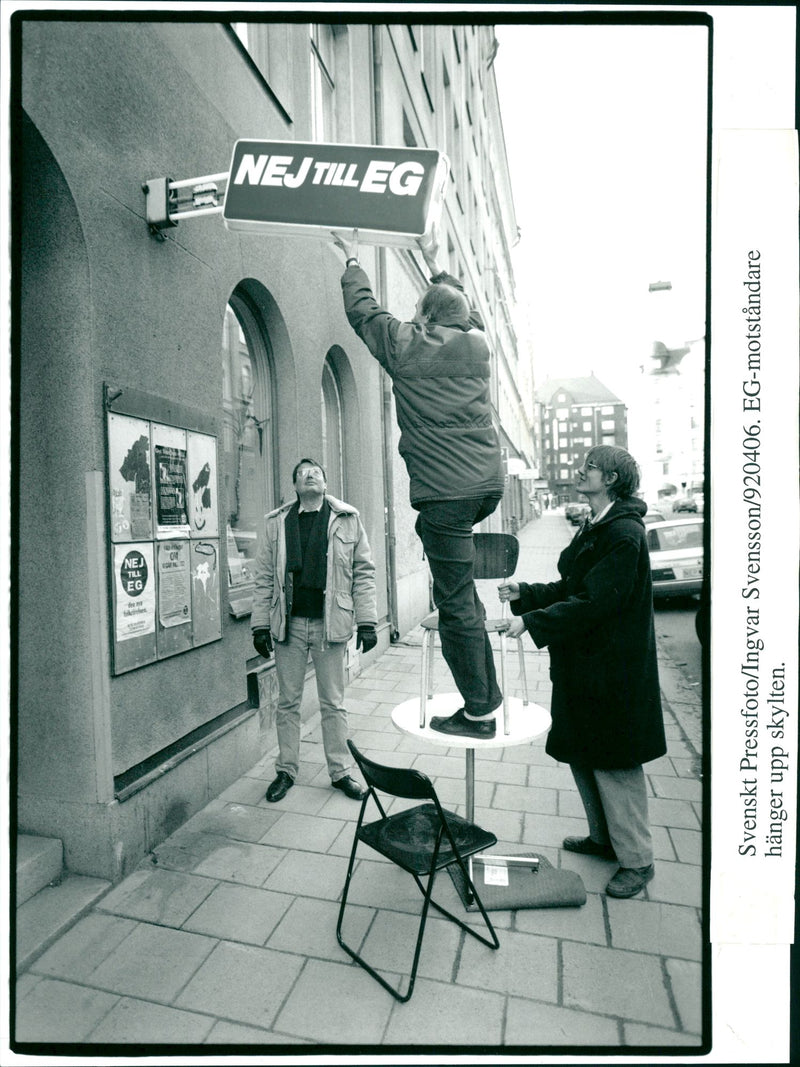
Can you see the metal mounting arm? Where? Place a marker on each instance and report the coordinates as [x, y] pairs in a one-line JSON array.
[[166, 201]]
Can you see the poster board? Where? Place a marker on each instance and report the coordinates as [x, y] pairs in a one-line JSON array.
[[163, 516], [130, 479]]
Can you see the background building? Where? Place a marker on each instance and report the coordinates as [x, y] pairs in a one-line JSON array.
[[667, 425], [230, 348], [573, 415]]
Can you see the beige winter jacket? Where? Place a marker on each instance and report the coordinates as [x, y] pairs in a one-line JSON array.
[[350, 581]]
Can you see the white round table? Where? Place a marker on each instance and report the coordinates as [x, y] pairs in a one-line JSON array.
[[526, 722]]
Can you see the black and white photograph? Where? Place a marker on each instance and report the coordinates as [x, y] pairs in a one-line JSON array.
[[402, 532]]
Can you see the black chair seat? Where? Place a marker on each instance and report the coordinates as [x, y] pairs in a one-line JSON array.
[[409, 838]]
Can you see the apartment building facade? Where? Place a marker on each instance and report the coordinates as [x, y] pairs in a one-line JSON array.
[[573, 415]]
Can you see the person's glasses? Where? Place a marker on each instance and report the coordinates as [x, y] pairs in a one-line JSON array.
[[308, 470], [588, 467]]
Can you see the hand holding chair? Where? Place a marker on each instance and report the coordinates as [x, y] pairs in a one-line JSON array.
[[496, 556], [422, 840]]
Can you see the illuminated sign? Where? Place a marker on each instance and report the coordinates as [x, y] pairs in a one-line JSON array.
[[390, 195]]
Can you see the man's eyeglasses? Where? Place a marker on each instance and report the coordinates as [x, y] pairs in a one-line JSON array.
[[308, 470], [589, 467]]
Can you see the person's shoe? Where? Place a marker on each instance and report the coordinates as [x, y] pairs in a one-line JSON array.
[[587, 847], [460, 726], [349, 786], [628, 881], [280, 787]]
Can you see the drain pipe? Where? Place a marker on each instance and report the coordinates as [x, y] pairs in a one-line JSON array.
[[386, 386]]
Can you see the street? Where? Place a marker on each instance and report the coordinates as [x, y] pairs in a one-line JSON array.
[[675, 632]]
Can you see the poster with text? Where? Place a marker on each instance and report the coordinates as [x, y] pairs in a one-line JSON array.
[[130, 479], [136, 600], [170, 470], [174, 597], [134, 612]]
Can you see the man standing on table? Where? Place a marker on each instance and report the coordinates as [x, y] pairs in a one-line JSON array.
[[314, 580], [440, 368]]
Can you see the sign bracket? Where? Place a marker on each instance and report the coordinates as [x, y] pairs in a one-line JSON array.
[[168, 201]]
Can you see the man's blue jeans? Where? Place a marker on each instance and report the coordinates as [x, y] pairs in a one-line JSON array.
[[291, 660], [445, 529]]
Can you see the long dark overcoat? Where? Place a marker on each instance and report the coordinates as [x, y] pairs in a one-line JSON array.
[[598, 624]]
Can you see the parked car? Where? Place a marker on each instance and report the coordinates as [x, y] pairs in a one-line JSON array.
[[676, 556], [684, 503], [576, 512], [653, 516]]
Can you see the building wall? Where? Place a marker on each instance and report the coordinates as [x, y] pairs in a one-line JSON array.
[[669, 438], [107, 105]]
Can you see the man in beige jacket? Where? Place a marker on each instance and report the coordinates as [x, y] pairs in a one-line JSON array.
[[314, 585]]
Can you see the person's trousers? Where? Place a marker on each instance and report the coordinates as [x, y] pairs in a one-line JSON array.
[[445, 529], [616, 810], [291, 659]]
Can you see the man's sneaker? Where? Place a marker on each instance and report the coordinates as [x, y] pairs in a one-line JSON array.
[[628, 881], [460, 726], [587, 847]]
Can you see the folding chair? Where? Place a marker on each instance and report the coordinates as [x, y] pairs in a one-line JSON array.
[[422, 841], [496, 556]]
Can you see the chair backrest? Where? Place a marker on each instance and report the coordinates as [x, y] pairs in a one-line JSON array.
[[397, 781], [496, 555]]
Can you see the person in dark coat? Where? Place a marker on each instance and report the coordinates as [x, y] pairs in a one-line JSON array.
[[597, 621], [440, 367]]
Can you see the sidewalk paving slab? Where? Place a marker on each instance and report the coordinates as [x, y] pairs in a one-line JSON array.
[[545, 1024], [136, 1022], [244, 983], [611, 981]]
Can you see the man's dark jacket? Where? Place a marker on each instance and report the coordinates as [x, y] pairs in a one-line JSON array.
[[441, 377], [598, 624]]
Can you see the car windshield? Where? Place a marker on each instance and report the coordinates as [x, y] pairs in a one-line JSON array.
[[669, 538]]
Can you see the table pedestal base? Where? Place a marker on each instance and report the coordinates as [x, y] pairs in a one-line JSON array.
[[517, 723]]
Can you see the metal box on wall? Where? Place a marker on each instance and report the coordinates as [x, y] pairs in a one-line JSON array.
[[391, 196]]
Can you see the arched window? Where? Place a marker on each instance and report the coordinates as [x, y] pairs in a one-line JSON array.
[[332, 431], [248, 448]]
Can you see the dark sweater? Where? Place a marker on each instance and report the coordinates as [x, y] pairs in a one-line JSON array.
[[307, 602]]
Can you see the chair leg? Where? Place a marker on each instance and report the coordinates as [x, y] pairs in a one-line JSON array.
[[423, 699], [348, 876], [402, 997], [504, 685], [431, 652], [473, 892], [523, 676]]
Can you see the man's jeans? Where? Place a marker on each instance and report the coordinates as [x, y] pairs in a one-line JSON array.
[[291, 660], [445, 528]]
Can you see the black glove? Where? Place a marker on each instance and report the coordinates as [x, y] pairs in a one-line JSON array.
[[262, 642], [367, 638]]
